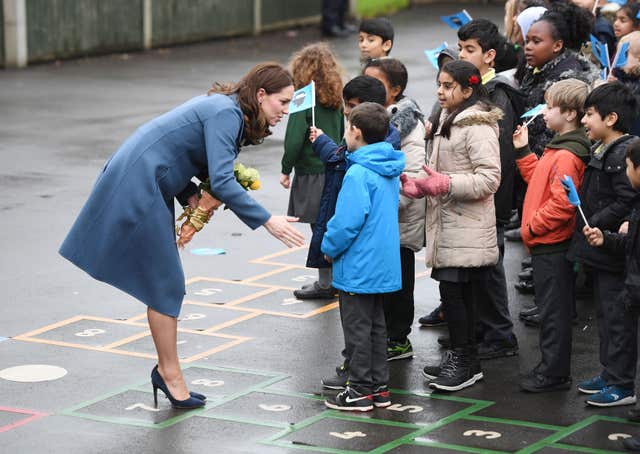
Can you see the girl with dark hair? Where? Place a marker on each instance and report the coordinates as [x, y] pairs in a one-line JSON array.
[[408, 119], [463, 174], [627, 20], [125, 235], [551, 55]]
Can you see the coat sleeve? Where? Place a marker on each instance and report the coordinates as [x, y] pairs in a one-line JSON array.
[[352, 209], [220, 133], [295, 137], [615, 243], [557, 210], [188, 191], [481, 143], [526, 162], [611, 216], [326, 149]]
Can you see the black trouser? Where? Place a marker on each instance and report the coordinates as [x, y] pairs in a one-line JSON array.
[[494, 320], [365, 339], [459, 301], [618, 331], [554, 280], [398, 306], [333, 12]]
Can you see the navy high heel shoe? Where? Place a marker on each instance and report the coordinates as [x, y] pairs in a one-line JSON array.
[[158, 382]]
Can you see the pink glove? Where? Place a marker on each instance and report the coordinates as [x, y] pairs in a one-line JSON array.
[[410, 188], [434, 184]]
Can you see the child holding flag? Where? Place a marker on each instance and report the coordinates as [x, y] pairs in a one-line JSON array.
[[314, 64], [547, 226], [607, 196]]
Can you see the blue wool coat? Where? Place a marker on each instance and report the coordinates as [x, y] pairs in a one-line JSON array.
[[124, 234], [363, 236]]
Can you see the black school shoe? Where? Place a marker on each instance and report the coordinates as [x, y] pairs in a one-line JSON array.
[[434, 318], [526, 274], [525, 287], [350, 400], [538, 383], [381, 396], [513, 235], [315, 292], [498, 349], [529, 312], [458, 372], [338, 381], [632, 444]]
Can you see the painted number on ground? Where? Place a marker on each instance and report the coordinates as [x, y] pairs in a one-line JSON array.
[[193, 317], [615, 437], [275, 407], [208, 291], [409, 408], [489, 435], [347, 435], [90, 332], [141, 406], [208, 383], [290, 301]]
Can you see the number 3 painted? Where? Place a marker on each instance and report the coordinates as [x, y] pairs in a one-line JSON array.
[[347, 435], [614, 437], [489, 435], [208, 383], [90, 332]]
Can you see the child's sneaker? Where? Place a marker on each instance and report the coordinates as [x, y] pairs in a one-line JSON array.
[[338, 381], [381, 396], [399, 350], [432, 372], [612, 396], [592, 386], [350, 400]]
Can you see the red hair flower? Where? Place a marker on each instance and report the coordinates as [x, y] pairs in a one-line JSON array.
[[474, 80]]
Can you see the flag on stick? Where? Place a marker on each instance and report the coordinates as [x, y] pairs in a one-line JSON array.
[[432, 54], [457, 20], [572, 195], [621, 57], [600, 51], [303, 99], [533, 113]]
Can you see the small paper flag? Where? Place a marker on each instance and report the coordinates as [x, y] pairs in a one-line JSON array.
[[619, 2], [432, 54], [457, 20], [621, 57], [600, 51], [303, 99], [534, 112], [572, 193]]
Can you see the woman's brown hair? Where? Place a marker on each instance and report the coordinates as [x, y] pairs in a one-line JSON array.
[[316, 62], [269, 76]]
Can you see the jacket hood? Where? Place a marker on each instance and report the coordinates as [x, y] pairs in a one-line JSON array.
[[379, 157], [575, 141], [478, 114], [405, 115], [393, 137]]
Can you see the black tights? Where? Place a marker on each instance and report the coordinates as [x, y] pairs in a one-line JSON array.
[[459, 307]]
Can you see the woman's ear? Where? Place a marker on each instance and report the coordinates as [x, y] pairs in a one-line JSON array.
[[260, 94]]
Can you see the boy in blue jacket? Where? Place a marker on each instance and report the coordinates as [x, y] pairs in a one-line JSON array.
[[363, 243]]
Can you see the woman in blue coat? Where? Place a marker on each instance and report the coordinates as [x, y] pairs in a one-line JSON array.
[[125, 236]]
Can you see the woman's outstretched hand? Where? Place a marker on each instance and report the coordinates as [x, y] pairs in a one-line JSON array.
[[280, 228]]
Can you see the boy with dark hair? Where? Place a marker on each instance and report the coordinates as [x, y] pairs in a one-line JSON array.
[[607, 197], [627, 245], [363, 242], [375, 38], [547, 227], [358, 90], [478, 42]]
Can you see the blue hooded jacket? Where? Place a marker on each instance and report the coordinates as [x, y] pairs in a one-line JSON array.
[[363, 236]]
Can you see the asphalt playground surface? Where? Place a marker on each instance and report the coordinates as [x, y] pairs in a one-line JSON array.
[[257, 353]]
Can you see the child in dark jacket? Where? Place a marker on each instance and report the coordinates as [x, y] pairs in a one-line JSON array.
[[363, 242], [627, 245], [358, 90], [606, 196], [629, 74]]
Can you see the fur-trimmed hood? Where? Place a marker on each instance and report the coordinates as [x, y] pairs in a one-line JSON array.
[[478, 115], [405, 115]]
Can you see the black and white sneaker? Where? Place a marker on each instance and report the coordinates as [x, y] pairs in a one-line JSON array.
[[381, 396], [338, 381], [432, 372], [350, 400], [460, 372]]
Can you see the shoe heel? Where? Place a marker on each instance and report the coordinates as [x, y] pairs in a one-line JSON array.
[[155, 395]]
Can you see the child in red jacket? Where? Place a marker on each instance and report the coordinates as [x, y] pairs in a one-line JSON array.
[[547, 226]]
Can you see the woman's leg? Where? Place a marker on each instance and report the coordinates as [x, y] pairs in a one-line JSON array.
[[164, 330]]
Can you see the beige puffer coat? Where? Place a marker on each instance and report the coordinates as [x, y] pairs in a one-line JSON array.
[[411, 212], [461, 225]]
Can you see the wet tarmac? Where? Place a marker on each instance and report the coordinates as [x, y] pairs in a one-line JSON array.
[[257, 352]]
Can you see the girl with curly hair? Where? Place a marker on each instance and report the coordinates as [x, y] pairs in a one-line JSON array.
[[317, 63]]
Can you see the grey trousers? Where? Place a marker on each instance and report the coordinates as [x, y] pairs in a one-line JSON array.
[[554, 280], [618, 331], [365, 338]]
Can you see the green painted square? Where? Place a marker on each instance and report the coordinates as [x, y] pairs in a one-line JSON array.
[[598, 434]]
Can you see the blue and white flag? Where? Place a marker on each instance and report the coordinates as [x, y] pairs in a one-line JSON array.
[[303, 99], [619, 2], [534, 112], [457, 20], [621, 57], [600, 51], [432, 54]]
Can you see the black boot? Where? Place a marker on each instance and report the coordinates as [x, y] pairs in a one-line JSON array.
[[632, 444], [461, 371]]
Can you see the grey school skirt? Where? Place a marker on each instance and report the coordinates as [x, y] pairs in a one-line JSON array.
[[304, 198]]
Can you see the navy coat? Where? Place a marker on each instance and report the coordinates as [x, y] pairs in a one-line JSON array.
[[125, 235]]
